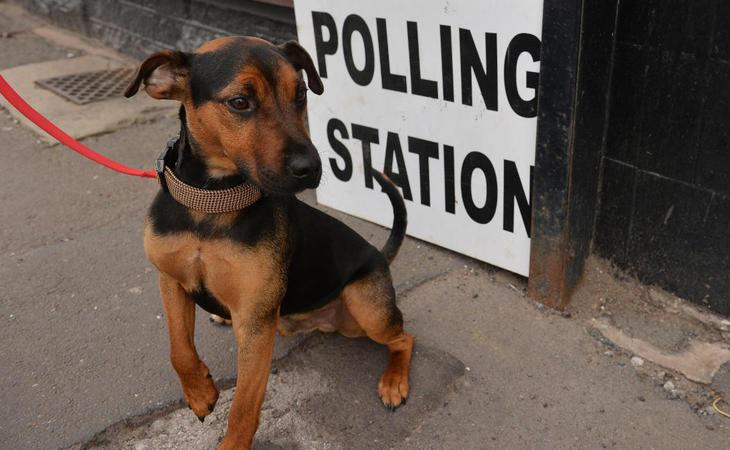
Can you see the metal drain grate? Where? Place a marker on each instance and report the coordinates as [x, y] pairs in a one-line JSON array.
[[88, 87]]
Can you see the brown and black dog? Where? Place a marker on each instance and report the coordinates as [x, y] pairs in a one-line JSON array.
[[278, 264]]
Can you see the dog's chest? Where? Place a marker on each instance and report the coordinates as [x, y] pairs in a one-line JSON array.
[[192, 261], [221, 268], [180, 255]]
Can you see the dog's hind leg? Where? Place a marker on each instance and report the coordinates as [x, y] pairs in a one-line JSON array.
[[198, 387], [370, 303]]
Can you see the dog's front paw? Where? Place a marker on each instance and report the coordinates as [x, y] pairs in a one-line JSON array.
[[200, 393], [393, 389]]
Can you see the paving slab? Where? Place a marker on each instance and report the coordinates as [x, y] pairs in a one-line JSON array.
[[51, 194], [538, 380], [26, 39], [27, 48], [322, 396], [79, 120], [14, 20]]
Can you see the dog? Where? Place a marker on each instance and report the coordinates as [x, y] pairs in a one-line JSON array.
[[276, 264]]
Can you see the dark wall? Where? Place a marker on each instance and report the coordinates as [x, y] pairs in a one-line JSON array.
[[140, 27], [665, 192]]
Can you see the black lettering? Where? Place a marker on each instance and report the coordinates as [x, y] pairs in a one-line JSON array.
[[471, 63], [329, 47], [449, 181], [522, 43], [447, 63], [345, 173], [367, 136], [393, 148], [472, 162], [425, 150], [513, 191], [419, 86], [390, 80], [355, 23]]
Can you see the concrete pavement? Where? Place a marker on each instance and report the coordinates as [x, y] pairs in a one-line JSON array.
[[85, 348], [492, 371]]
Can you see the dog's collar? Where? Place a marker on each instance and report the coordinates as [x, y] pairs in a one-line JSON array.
[[212, 201]]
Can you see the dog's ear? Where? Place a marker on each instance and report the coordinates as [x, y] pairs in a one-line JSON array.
[[301, 60], [165, 76]]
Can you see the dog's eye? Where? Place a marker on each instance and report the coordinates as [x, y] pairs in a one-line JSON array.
[[238, 104], [301, 95]]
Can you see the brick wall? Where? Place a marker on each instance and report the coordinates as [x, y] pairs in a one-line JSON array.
[[139, 27]]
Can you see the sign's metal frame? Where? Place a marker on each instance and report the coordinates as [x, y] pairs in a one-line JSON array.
[[575, 76]]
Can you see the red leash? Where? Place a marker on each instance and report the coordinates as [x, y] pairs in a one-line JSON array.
[[47, 126]]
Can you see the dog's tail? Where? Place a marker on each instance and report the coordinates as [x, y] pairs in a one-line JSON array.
[[400, 217]]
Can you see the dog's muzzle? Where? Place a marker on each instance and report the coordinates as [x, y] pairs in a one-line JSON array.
[[304, 166]]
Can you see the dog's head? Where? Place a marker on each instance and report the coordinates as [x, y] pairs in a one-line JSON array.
[[245, 102]]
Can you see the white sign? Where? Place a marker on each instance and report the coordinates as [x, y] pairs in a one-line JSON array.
[[440, 96]]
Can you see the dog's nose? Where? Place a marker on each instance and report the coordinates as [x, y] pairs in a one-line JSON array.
[[302, 166]]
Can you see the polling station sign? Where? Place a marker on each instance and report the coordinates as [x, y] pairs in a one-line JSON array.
[[442, 97]]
